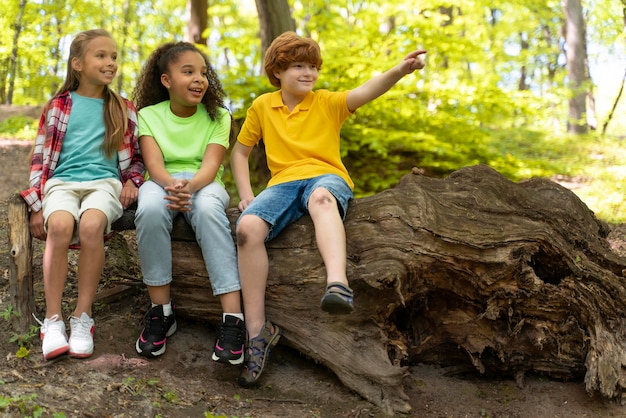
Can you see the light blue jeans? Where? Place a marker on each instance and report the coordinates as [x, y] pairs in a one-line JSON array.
[[208, 220]]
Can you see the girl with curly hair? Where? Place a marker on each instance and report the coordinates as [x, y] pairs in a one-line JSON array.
[[184, 131]]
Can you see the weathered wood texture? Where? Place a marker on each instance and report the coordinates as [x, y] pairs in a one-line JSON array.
[[21, 256], [472, 271]]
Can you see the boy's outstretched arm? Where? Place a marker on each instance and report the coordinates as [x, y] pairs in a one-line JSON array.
[[377, 86]]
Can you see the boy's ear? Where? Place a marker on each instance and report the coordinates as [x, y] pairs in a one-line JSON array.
[[165, 80]]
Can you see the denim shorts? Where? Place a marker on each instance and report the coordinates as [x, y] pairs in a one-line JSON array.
[[285, 203]]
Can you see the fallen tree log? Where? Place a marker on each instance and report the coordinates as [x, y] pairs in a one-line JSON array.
[[472, 271], [507, 278]]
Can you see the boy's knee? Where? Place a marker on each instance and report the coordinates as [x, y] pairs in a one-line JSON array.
[[322, 197], [241, 238], [250, 229]]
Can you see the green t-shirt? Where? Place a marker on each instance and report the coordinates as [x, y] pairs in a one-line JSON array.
[[183, 141]]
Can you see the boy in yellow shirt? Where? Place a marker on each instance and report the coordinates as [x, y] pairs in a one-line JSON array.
[[300, 129]]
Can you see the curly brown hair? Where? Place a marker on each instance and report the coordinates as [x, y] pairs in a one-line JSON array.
[[288, 48], [149, 90]]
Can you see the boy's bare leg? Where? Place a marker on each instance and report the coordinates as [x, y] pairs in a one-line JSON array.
[[253, 270], [330, 234]]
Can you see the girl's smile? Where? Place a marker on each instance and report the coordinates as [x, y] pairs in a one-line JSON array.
[[186, 82]]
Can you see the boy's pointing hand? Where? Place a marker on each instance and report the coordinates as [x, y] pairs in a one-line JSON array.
[[413, 61]]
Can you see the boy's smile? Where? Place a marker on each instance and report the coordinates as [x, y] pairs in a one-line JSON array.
[[297, 81]]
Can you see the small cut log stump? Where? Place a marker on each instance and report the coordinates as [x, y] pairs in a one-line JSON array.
[[472, 271]]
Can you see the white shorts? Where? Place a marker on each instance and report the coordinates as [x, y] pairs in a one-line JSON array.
[[76, 197]]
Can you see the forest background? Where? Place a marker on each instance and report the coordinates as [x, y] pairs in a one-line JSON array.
[[530, 88]]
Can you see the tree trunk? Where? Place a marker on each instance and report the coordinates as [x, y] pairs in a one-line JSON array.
[[128, 17], [21, 269], [197, 21], [17, 29], [575, 56], [472, 271], [274, 19]]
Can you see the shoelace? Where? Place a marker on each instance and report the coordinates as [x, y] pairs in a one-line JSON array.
[[231, 333], [155, 324], [81, 329], [46, 321]]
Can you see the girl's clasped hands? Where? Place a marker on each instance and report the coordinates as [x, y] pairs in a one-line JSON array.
[[179, 196]]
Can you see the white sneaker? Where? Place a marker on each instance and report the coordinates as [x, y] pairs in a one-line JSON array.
[[53, 337], [81, 336]]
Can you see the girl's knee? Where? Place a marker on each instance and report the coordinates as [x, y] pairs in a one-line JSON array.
[[210, 205], [152, 213], [60, 225], [92, 227]]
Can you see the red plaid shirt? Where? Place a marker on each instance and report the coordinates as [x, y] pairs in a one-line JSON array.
[[50, 134]]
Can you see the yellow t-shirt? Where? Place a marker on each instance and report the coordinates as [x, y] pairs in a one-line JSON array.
[[300, 144]]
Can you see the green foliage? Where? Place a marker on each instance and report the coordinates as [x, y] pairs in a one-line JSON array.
[[24, 405], [493, 90], [24, 341], [9, 312], [19, 127]]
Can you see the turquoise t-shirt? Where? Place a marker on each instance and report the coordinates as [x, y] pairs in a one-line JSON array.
[[183, 141], [81, 157]]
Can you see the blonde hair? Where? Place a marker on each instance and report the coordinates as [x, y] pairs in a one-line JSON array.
[[114, 112]]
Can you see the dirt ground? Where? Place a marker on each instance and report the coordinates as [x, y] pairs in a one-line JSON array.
[[185, 382]]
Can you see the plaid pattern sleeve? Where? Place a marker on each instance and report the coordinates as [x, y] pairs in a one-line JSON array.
[[47, 149]]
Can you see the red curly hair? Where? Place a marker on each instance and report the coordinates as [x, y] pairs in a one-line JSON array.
[[288, 48]]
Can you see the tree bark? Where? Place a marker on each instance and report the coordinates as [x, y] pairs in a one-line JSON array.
[[21, 283], [576, 56], [274, 19], [17, 29], [471, 271], [197, 21]]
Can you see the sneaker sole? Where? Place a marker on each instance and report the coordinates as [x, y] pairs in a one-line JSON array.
[[79, 355], [151, 354], [56, 353], [159, 352], [335, 304], [219, 359]]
